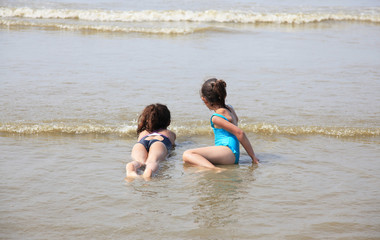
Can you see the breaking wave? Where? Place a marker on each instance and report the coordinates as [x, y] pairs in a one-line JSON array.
[[105, 28], [191, 130], [219, 16]]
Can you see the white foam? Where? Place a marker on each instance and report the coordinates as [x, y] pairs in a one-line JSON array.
[[190, 16], [103, 28], [183, 130]]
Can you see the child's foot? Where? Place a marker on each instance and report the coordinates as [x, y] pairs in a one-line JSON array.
[[219, 170], [216, 169], [132, 174], [131, 171], [147, 173]]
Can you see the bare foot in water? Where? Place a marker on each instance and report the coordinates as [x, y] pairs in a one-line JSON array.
[[216, 169], [147, 174], [131, 171], [219, 170]]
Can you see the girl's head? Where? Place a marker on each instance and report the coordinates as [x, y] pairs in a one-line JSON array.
[[214, 92], [153, 118]]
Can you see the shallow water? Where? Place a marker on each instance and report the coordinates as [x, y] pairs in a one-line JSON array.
[[80, 193], [305, 88]]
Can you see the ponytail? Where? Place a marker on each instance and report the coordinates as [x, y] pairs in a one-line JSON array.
[[214, 90]]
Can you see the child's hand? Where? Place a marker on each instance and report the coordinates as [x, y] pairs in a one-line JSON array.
[[255, 160]]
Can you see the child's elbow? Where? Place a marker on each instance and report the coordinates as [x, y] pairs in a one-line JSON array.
[[239, 134]]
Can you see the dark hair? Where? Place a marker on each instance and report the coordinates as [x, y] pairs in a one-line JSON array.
[[214, 90], [153, 118]]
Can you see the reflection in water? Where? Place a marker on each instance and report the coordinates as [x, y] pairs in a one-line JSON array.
[[218, 196]]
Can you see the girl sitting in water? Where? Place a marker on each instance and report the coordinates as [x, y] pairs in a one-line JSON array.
[[154, 140], [227, 134]]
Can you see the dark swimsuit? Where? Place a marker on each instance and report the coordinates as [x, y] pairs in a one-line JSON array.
[[147, 143]]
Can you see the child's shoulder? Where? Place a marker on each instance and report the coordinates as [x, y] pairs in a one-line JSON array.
[[144, 132], [225, 112], [166, 131], [169, 134], [229, 113]]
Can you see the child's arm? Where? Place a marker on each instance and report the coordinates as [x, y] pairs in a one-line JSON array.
[[232, 110], [240, 135], [142, 134], [174, 137], [247, 146], [171, 135]]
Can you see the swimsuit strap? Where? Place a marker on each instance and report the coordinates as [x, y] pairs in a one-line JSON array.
[[153, 134], [218, 115]]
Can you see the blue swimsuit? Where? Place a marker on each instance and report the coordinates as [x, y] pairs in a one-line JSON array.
[[148, 143], [225, 138]]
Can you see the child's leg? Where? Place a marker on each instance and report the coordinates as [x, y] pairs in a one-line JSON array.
[[208, 156], [132, 167], [139, 156], [157, 153]]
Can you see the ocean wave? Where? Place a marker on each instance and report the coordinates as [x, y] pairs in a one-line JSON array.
[[218, 16], [105, 28], [181, 130], [64, 128], [270, 129]]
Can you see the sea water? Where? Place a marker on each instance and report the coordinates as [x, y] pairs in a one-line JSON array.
[[303, 77]]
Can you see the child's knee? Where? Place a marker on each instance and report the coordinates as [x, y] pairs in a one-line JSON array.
[[187, 155]]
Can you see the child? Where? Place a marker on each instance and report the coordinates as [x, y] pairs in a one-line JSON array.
[[227, 134], [154, 140]]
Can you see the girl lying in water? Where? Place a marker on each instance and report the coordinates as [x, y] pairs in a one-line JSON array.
[[154, 140]]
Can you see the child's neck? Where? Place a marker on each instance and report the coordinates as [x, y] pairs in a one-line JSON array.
[[215, 108]]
